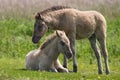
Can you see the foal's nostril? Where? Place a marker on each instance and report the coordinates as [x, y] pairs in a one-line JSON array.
[[68, 55], [33, 40]]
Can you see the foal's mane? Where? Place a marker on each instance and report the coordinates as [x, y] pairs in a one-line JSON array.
[[54, 8], [49, 40]]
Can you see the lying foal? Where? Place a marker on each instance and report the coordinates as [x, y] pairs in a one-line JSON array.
[[45, 58]]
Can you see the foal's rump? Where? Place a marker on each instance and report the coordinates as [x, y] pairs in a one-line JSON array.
[[85, 23], [32, 60]]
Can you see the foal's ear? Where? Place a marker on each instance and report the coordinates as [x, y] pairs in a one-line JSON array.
[[57, 33], [39, 16]]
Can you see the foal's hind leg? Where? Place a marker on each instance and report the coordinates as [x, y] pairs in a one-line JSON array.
[[102, 42], [96, 50], [101, 36]]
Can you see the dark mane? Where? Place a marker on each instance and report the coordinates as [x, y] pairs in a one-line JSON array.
[[50, 38], [54, 8]]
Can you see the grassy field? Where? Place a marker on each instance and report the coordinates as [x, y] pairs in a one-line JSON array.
[[16, 27], [14, 69], [15, 42]]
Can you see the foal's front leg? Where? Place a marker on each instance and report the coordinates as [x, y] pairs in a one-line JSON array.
[[72, 44], [59, 67], [65, 62], [52, 68]]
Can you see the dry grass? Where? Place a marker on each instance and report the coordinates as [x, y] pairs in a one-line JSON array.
[[26, 8]]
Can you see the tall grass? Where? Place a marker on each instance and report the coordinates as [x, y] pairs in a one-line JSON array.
[[15, 39], [26, 8]]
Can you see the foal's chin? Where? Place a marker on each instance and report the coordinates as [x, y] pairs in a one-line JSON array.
[[35, 40]]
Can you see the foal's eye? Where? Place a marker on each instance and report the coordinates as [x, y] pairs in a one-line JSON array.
[[62, 43], [39, 28]]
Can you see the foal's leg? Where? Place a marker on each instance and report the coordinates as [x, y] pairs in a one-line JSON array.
[[59, 67], [72, 38], [65, 65], [96, 50], [101, 36], [105, 53], [72, 44], [52, 68]]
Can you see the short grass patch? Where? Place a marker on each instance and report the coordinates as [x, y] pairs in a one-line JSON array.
[[14, 69]]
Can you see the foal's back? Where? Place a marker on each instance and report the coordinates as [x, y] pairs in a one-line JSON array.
[[85, 23]]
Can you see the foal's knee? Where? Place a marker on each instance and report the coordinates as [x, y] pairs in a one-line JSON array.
[[105, 55], [98, 55]]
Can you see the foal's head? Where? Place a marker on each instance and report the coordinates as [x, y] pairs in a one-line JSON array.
[[64, 44], [40, 28]]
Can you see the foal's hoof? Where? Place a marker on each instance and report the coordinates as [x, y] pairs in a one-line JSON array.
[[63, 70], [70, 71], [100, 72], [107, 72], [75, 71], [64, 66], [74, 68]]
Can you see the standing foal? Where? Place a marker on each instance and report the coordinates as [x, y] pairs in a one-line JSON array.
[[77, 25]]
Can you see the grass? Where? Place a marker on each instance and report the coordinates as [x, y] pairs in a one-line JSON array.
[[14, 69], [15, 43]]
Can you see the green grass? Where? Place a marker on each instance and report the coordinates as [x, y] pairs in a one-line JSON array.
[[15, 69], [15, 43]]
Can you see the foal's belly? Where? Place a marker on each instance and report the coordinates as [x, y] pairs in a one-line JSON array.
[[85, 25], [84, 31]]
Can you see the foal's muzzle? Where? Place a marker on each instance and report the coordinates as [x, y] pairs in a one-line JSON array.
[[68, 55], [35, 39]]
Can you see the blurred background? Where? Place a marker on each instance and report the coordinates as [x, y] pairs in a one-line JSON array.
[[27, 8]]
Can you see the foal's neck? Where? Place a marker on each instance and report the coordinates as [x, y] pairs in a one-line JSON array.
[[53, 20], [52, 49]]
